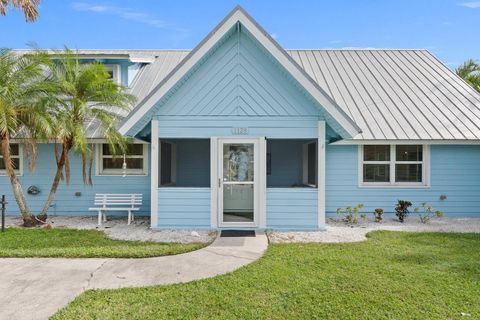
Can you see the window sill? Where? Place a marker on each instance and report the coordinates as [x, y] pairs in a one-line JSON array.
[[121, 175], [394, 186], [18, 174]]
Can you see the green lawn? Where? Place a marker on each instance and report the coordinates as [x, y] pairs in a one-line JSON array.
[[393, 275], [41, 242]]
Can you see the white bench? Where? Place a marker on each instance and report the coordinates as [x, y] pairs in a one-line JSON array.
[[116, 202]]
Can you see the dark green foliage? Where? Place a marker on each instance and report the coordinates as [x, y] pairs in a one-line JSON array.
[[401, 209]]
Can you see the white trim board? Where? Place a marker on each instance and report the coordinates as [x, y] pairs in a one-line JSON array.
[[154, 175], [424, 142], [238, 15]]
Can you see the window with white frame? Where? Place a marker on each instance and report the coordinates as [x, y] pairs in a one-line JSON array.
[[401, 165], [133, 162], [114, 72], [16, 155]]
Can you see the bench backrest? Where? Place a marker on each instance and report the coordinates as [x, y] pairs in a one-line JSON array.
[[118, 199]]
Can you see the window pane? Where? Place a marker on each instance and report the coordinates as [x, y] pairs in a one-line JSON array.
[[408, 173], [117, 163], [14, 149], [312, 164], [165, 163], [238, 162], [132, 150], [106, 150], [409, 153], [376, 173], [15, 163], [376, 153], [135, 149]]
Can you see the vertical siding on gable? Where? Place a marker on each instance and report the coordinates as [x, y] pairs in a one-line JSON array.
[[292, 208], [455, 172], [183, 207], [66, 203]]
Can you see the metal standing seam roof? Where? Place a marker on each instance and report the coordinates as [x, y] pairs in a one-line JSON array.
[[391, 94]]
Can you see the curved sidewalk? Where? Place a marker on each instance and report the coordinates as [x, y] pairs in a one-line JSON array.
[[35, 288]]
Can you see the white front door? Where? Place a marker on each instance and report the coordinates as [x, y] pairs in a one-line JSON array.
[[238, 182]]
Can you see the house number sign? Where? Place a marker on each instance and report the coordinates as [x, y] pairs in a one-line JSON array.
[[239, 131]]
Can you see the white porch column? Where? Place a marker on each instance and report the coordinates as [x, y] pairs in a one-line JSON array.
[[321, 174], [154, 175], [213, 182]]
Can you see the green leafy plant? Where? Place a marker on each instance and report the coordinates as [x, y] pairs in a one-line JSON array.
[[378, 213], [426, 212], [351, 214], [401, 209]]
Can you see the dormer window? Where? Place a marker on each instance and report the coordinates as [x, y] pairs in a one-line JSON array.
[[114, 72]]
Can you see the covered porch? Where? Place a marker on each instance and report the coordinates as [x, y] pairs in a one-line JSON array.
[[238, 181]]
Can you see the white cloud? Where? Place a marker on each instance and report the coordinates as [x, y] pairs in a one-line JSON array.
[[127, 14], [471, 5]]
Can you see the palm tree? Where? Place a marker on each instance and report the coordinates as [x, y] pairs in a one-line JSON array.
[[470, 72], [85, 92], [23, 91], [29, 8]]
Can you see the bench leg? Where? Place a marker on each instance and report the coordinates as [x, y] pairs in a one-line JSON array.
[[104, 216], [129, 217], [100, 212]]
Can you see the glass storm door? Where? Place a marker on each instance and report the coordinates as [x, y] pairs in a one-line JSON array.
[[237, 182]]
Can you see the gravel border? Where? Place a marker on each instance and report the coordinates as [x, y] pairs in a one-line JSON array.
[[117, 228], [339, 231]]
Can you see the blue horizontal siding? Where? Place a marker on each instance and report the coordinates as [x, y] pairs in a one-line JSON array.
[[207, 126], [292, 208], [183, 207], [66, 203], [455, 172]]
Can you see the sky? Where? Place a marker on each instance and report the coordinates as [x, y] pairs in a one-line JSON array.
[[448, 28]]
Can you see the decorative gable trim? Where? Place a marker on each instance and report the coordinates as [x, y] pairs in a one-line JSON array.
[[238, 15]]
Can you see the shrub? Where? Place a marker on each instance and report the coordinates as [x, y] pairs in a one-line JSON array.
[[401, 209], [426, 212], [351, 214]]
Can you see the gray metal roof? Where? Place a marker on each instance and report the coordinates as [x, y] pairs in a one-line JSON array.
[[401, 94], [390, 94]]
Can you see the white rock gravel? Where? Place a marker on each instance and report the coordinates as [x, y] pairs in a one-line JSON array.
[[338, 231], [117, 228]]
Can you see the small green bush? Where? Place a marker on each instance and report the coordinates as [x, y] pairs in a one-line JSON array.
[[351, 214], [426, 212]]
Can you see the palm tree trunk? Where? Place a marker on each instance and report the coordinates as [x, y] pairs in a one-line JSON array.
[[28, 219], [56, 181]]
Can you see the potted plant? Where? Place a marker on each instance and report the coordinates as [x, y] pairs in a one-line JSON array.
[[378, 214], [401, 209]]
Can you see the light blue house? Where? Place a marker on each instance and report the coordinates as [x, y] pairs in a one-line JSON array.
[[241, 133]]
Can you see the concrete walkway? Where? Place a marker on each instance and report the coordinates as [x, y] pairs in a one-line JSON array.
[[35, 288]]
